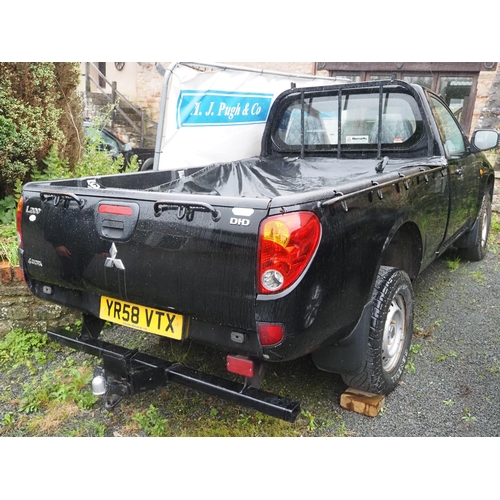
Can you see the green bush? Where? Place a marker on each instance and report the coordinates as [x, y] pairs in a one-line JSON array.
[[95, 161], [39, 109], [42, 137]]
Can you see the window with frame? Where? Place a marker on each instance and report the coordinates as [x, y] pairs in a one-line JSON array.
[[455, 82], [316, 121], [451, 135]]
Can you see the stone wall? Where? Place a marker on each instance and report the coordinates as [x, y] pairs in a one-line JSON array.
[[19, 308], [489, 117], [484, 83], [149, 83]]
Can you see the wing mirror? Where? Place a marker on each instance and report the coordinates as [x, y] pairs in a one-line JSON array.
[[483, 140]]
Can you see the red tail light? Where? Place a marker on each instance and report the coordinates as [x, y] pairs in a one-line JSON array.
[[287, 244], [19, 214], [270, 334]]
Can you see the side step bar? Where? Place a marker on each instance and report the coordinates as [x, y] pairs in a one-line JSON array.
[[136, 372]]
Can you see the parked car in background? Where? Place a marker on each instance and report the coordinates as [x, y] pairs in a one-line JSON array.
[[117, 147]]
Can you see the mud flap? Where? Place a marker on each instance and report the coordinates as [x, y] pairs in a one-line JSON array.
[[348, 355]]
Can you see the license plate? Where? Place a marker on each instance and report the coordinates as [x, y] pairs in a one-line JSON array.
[[143, 318]]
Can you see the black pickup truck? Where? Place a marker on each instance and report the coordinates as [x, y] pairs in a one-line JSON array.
[[308, 249]]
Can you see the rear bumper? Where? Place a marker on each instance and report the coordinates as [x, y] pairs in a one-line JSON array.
[[136, 372]]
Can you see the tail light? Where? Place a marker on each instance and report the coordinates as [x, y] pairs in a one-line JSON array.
[[287, 244], [19, 213]]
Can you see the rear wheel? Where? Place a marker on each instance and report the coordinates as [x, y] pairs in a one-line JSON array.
[[391, 328]]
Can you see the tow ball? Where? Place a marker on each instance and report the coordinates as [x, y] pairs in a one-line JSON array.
[[107, 388]]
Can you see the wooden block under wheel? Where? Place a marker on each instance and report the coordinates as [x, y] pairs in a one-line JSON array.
[[362, 402]]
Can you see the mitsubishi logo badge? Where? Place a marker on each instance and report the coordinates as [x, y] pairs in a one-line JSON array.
[[112, 260]]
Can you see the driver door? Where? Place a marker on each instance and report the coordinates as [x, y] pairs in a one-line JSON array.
[[463, 169]]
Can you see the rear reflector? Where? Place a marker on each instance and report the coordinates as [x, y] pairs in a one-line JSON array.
[[240, 366], [270, 334], [115, 210]]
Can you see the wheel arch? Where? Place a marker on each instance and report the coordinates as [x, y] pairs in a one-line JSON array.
[[403, 249], [490, 185]]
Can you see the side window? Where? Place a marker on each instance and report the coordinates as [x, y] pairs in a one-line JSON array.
[[450, 132], [110, 143]]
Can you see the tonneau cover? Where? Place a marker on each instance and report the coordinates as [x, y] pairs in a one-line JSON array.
[[277, 176]]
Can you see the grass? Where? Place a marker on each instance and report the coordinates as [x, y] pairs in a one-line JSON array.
[[445, 356], [46, 392], [9, 243], [495, 223], [478, 275], [467, 417], [23, 348], [453, 263]]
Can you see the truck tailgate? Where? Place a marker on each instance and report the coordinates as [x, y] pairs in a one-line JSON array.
[[196, 257]]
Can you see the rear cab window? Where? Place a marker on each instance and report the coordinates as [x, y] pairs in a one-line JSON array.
[[312, 122]]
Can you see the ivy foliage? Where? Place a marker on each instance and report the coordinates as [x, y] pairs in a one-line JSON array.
[[39, 110]]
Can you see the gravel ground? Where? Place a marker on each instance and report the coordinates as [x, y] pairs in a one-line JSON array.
[[452, 386]]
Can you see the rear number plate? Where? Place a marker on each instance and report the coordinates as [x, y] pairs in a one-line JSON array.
[[143, 318]]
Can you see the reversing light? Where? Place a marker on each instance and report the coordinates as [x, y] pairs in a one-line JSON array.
[[272, 280], [287, 244]]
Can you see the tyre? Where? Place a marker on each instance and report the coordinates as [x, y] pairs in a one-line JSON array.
[[389, 339], [147, 165], [477, 248]]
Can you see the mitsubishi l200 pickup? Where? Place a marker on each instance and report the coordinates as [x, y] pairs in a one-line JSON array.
[[309, 248]]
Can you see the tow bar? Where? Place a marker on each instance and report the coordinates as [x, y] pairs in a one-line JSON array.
[[126, 372]]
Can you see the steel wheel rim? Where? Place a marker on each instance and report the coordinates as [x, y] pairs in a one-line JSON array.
[[484, 229], [394, 333]]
